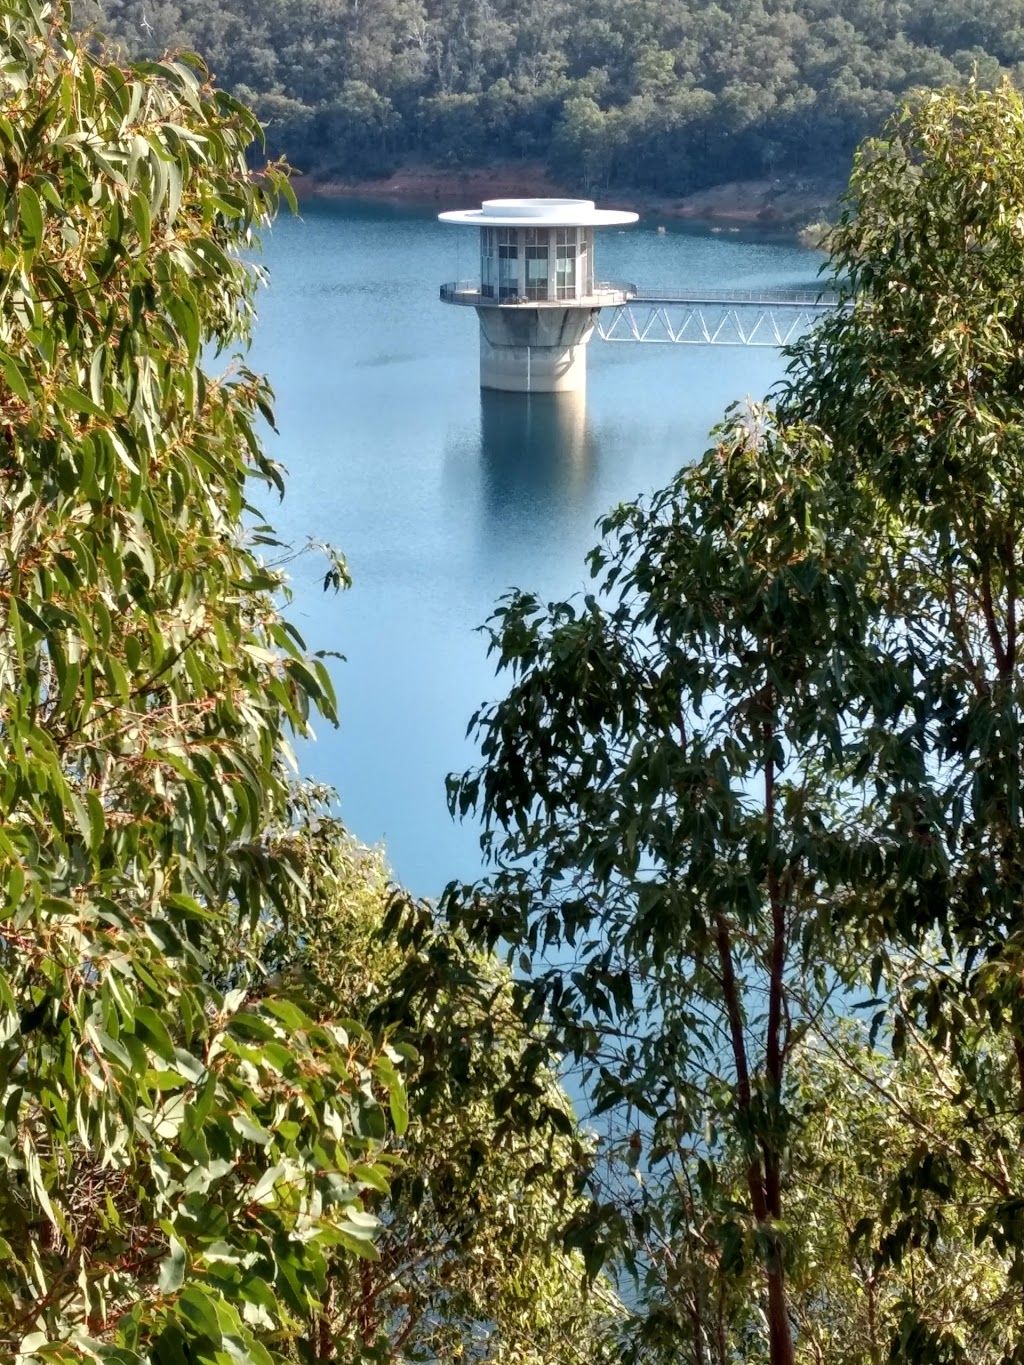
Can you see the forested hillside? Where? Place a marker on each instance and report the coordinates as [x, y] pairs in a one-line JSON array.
[[751, 817], [662, 95]]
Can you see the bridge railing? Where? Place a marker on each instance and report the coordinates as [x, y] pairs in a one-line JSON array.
[[794, 298], [612, 293], [457, 291]]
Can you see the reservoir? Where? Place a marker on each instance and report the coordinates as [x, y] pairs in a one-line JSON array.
[[441, 496]]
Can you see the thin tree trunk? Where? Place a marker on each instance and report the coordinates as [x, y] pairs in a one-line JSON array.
[[780, 1334], [779, 1329], [759, 1180]]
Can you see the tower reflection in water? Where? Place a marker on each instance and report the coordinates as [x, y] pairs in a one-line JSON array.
[[538, 454]]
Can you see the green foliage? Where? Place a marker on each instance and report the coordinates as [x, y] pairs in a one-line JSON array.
[[469, 1253], [653, 804], [779, 749], [918, 387], [880, 1268], [182, 1148], [669, 96], [887, 1192], [776, 751]]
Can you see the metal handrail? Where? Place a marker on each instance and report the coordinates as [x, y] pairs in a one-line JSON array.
[[456, 290], [614, 287], [796, 298], [619, 291]]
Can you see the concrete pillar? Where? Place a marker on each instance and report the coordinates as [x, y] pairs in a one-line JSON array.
[[534, 350]]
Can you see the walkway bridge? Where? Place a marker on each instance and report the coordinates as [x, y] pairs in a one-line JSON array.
[[712, 317], [538, 298]]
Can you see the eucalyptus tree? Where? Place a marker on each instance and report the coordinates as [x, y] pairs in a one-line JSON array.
[[469, 1256], [862, 1287], [918, 387], [660, 823], [780, 746], [181, 1147], [891, 1179]]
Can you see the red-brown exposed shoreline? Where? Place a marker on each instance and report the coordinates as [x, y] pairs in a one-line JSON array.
[[771, 205]]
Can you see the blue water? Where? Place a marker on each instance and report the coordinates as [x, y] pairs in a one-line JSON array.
[[443, 498]]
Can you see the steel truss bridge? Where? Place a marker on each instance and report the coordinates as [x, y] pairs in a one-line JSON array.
[[713, 317]]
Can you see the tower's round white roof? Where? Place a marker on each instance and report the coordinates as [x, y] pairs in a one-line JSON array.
[[538, 213]]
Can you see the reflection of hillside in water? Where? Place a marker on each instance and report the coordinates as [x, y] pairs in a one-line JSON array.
[[537, 450]]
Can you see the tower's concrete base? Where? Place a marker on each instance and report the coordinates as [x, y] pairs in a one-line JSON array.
[[534, 350]]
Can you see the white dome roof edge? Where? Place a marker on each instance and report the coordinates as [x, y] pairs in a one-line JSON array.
[[538, 213]]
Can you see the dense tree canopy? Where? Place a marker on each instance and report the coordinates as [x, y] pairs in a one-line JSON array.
[[668, 95], [181, 1148], [206, 1153], [469, 1258], [258, 1108], [775, 760]]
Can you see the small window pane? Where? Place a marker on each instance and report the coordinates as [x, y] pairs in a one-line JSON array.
[[508, 272], [537, 270], [565, 272]]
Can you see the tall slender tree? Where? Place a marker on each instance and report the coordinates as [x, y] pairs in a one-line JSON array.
[[180, 1147], [918, 387], [655, 810], [782, 740]]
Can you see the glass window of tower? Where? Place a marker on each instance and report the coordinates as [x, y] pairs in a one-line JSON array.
[[488, 263], [565, 264], [536, 252], [508, 264]]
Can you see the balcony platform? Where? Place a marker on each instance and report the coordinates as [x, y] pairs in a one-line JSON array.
[[605, 295]]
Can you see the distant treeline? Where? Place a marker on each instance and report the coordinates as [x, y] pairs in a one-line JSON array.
[[669, 96]]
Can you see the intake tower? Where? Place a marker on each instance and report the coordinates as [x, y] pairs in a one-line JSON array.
[[537, 297]]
